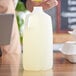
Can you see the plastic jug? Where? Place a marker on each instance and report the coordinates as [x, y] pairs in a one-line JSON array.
[[38, 41]]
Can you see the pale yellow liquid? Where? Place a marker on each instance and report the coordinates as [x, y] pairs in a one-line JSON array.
[[38, 44]]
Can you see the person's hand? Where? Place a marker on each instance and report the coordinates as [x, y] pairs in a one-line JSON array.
[[46, 4]]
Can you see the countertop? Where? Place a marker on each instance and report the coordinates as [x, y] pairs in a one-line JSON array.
[[61, 67]]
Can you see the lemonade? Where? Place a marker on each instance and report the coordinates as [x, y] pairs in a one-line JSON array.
[[38, 42]]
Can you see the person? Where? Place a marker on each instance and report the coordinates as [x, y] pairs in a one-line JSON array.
[[11, 53], [46, 4], [3, 6]]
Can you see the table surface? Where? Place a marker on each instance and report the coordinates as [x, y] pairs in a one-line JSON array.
[[62, 67]]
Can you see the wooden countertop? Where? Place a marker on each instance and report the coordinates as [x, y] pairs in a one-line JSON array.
[[62, 67], [62, 37]]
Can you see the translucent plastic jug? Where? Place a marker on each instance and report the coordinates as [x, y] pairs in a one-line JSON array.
[[38, 41]]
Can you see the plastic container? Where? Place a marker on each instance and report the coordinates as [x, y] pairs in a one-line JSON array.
[[71, 58], [69, 51], [38, 41]]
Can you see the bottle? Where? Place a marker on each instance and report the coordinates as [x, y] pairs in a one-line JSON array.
[[38, 41]]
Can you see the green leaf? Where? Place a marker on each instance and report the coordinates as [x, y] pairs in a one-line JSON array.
[[20, 6]]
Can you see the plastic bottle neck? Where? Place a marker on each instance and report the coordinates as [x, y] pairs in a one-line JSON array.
[[37, 9]]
